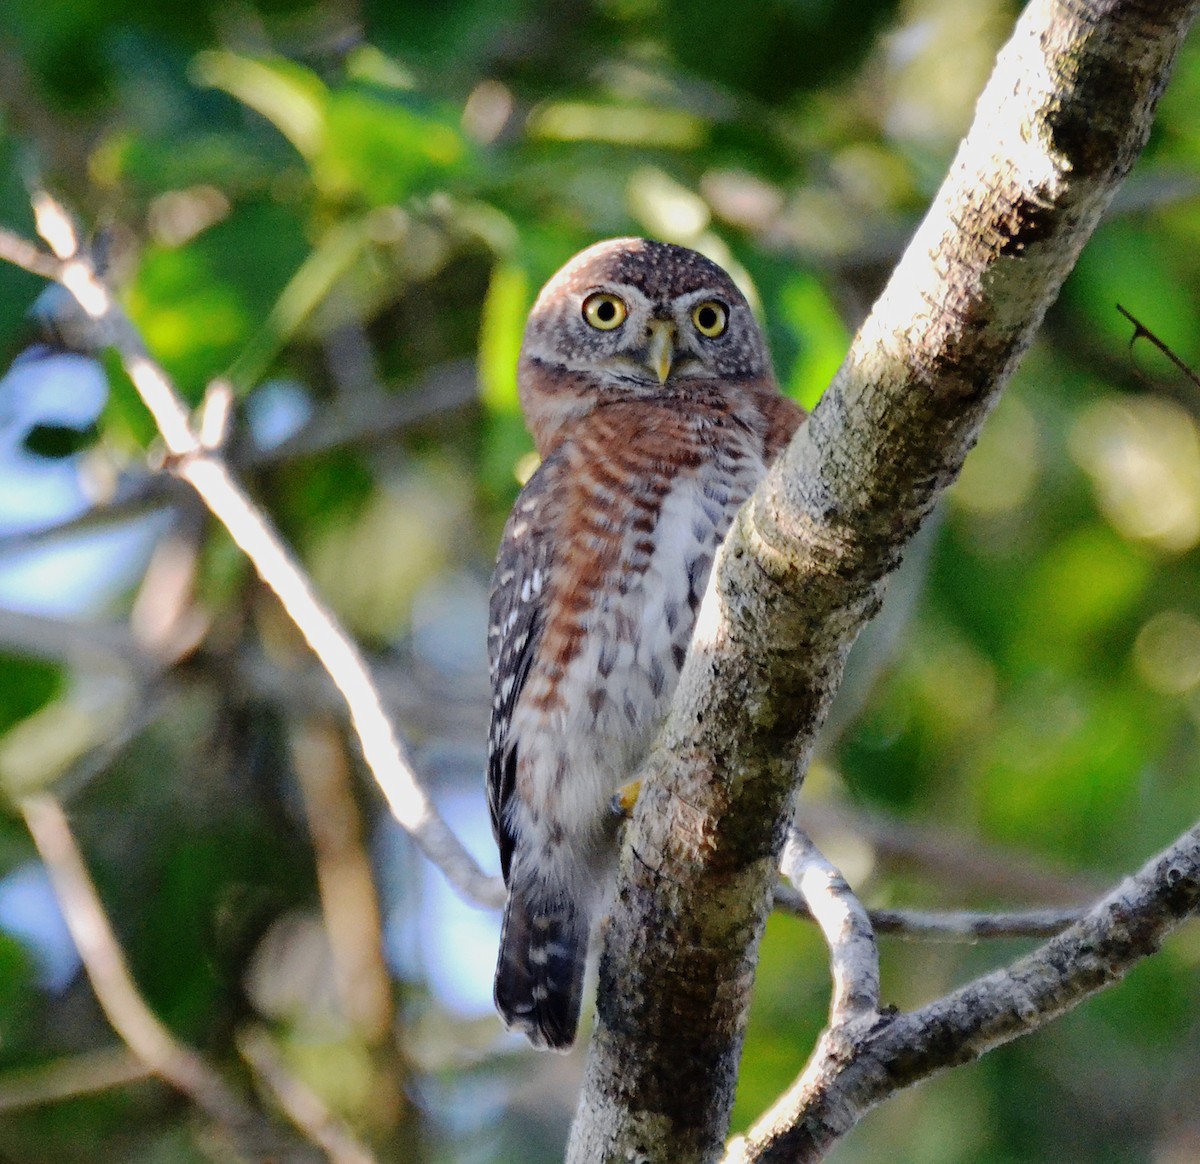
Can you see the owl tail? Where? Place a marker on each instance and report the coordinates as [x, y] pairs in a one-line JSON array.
[[539, 974]]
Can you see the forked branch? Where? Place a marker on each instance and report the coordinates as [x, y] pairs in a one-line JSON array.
[[864, 1066]]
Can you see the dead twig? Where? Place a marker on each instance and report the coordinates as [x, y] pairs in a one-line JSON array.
[[1141, 331], [207, 473], [945, 856], [951, 925], [62, 1079], [118, 995]]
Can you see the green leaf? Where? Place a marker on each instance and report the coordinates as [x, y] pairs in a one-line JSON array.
[[289, 96], [380, 152], [821, 335], [503, 324], [26, 685]]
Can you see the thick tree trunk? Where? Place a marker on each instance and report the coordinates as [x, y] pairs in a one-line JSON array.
[[1064, 116]]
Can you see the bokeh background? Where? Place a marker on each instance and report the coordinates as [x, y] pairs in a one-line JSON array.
[[346, 209]]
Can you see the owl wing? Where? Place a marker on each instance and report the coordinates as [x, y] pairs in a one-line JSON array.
[[516, 618]]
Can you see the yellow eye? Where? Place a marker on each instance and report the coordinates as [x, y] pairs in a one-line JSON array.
[[710, 317], [604, 311]]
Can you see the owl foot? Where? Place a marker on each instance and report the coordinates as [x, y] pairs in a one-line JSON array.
[[624, 799]]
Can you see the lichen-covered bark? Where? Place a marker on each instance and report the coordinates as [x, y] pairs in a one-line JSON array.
[[1064, 116]]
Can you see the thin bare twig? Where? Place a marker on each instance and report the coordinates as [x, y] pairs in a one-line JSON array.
[[211, 478], [24, 254], [71, 640], [442, 389], [432, 702], [944, 855], [952, 925], [135, 497], [61, 1079], [118, 995], [1141, 331]]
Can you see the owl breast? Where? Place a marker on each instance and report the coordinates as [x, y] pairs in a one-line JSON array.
[[634, 548], [639, 633]]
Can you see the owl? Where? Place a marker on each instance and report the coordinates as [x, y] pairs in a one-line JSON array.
[[648, 389]]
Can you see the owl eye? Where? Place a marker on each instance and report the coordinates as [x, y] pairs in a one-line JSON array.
[[604, 311], [710, 317]]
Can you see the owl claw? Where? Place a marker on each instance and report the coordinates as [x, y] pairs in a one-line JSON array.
[[624, 799]]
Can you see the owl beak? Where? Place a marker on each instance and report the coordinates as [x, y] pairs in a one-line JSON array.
[[661, 348]]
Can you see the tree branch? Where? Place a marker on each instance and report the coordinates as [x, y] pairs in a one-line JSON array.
[[940, 854], [951, 925], [846, 926], [444, 388], [303, 1106], [118, 996], [345, 882], [24, 254], [67, 1078], [1059, 125], [837, 1089], [206, 472]]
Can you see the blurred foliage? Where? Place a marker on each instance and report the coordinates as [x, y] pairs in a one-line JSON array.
[[346, 209]]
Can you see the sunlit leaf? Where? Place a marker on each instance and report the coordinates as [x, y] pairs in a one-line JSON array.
[[380, 151], [620, 125], [821, 336], [502, 325], [290, 97]]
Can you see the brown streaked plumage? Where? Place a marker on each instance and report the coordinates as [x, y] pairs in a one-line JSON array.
[[647, 386]]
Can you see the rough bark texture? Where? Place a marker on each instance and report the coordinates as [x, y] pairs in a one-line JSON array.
[[1064, 116]]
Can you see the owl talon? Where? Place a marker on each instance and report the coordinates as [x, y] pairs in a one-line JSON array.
[[624, 799]]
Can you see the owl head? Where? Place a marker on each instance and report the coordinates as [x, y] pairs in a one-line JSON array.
[[635, 320]]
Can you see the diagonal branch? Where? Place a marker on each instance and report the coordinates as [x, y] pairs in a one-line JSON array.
[[206, 472], [84, 1073], [937, 854], [118, 996], [26, 255], [836, 1090], [1067, 111], [303, 1106]]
